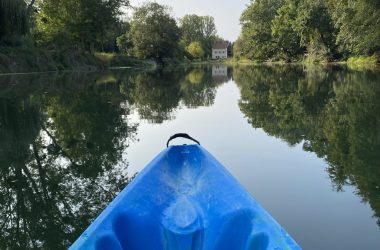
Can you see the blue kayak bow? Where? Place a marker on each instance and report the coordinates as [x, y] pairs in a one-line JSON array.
[[184, 200]]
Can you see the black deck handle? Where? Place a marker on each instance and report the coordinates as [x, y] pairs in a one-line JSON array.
[[181, 135]]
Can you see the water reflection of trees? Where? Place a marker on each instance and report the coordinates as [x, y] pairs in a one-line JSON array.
[[199, 87], [63, 140], [60, 161], [334, 112], [157, 94]]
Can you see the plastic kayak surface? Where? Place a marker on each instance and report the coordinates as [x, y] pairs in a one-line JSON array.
[[184, 200]]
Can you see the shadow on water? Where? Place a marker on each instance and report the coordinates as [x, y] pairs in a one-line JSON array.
[[63, 139], [332, 111]]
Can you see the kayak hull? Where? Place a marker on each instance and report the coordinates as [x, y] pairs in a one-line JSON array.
[[184, 200]]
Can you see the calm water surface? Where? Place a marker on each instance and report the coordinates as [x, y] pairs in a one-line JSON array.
[[304, 141]]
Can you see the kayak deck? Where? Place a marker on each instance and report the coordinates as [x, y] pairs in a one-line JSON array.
[[184, 200]]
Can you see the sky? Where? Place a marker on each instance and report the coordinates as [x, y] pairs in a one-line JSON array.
[[225, 12]]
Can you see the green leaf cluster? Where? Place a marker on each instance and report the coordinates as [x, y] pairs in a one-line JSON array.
[[87, 24], [316, 30], [195, 50], [256, 40], [200, 29], [154, 33]]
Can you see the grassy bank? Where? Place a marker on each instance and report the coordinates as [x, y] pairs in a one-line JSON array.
[[113, 60], [26, 60], [360, 61], [375, 59], [364, 62]]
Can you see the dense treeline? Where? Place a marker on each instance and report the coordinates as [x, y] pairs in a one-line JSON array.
[[317, 30], [154, 33], [87, 24], [100, 25]]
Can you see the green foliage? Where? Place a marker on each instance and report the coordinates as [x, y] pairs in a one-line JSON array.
[[96, 26], [320, 30], [286, 39], [372, 60], [22, 60], [154, 32], [200, 29], [358, 25], [124, 42], [195, 50], [120, 60], [87, 24], [256, 38], [304, 26], [13, 19]]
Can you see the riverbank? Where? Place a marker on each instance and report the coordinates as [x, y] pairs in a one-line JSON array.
[[369, 61], [28, 60], [32, 60]]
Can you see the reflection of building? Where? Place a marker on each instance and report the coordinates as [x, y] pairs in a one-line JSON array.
[[220, 50], [219, 70], [220, 73]]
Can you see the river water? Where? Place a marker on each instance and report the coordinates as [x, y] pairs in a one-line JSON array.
[[304, 141]]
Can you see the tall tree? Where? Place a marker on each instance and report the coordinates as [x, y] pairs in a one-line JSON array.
[[200, 29], [304, 26], [256, 23], [154, 32], [286, 39]]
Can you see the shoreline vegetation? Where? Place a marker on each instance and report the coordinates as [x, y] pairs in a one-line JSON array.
[[57, 35], [34, 60], [310, 31], [359, 60], [82, 35]]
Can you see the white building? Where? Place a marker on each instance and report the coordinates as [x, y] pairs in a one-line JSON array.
[[220, 50]]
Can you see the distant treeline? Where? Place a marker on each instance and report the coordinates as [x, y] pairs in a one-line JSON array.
[[315, 30], [100, 25]]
